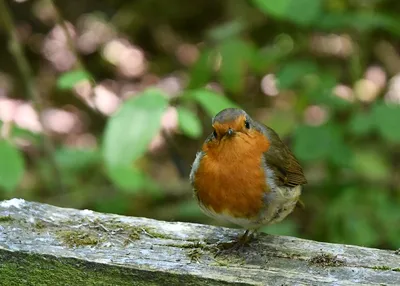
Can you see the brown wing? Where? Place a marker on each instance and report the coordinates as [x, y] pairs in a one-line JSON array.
[[281, 160]]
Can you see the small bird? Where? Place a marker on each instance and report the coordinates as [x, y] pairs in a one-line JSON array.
[[245, 175]]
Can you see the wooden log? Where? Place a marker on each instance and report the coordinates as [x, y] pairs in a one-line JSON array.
[[47, 245]]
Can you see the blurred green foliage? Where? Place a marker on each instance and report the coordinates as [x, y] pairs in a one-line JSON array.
[[350, 153], [128, 133], [69, 79], [11, 166]]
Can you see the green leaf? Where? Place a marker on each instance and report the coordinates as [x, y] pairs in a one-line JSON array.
[[340, 153], [69, 79], [319, 89], [11, 166], [128, 133], [202, 70], [234, 66], [371, 165], [274, 8], [210, 101], [386, 119], [226, 30], [362, 206], [130, 130], [361, 123], [308, 15], [76, 160], [283, 123], [189, 123], [324, 142], [131, 179], [289, 10], [18, 132], [362, 21], [316, 143], [292, 72], [273, 54], [264, 58]]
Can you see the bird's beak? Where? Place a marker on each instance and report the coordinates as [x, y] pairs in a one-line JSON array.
[[230, 132]]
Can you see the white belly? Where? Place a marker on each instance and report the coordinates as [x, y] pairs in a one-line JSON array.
[[279, 204]]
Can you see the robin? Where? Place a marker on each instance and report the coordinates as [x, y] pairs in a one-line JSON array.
[[245, 175]]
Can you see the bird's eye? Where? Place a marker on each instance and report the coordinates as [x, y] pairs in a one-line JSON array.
[[247, 124], [215, 134]]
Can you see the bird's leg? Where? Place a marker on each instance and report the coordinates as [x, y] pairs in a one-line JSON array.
[[252, 234], [244, 239], [247, 237]]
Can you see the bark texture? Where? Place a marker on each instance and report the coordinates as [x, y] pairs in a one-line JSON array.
[[47, 245]]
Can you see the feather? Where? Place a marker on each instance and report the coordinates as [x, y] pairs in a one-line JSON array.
[[281, 160]]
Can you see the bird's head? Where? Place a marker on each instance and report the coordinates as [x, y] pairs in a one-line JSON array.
[[229, 122], [236, 135]]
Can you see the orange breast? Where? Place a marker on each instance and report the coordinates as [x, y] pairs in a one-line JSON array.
[[230, 178]]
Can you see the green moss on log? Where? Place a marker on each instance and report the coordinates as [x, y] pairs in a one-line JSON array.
[[326, 260], [30, 269], [6, 218], [77, 238]]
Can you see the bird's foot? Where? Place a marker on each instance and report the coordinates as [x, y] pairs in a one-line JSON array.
[[234, 245]]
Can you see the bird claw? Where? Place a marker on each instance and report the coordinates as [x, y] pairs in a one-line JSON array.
[[234, 245], [229, 247]]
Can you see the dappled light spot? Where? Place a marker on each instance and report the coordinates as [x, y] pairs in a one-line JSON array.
[[60, 121], [377, 75], [128, 59], [332, 44], [344, 92], [88, 42], [94, 32], [215, 86], [169, 124], [366, 90], [112, 51], [83, 89], [8, 109], [55, 48], [26, 117], [106, 101], [171, 85], [393, 93], [44, 11], [268, 85], [156, 143], [85, 140], [132, 62], [187, 54], [169, 120], [315, 115]]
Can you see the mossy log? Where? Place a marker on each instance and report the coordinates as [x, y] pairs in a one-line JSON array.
[[47, 245]]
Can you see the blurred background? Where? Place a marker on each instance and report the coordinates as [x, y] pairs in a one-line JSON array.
[[108, 102]]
